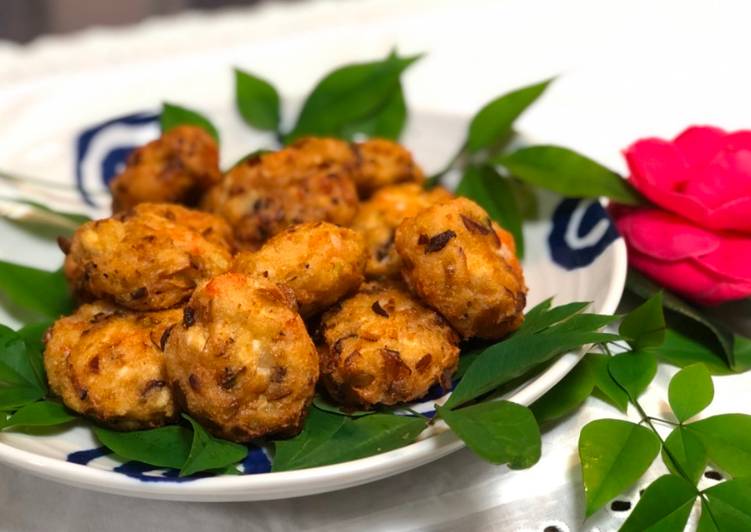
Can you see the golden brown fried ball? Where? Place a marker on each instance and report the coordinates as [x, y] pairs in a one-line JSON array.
[[379, 217], [309, 181], [211, 227], [141, 260], [319, 261], [382, 346], [241, 361], [107, 363], [384, 162], [465, 267], [178, 167]]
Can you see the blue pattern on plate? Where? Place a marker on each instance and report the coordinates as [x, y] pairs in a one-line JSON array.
[[115, 155], [593, 232]]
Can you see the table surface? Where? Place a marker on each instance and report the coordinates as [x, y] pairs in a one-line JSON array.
[[628, 70]]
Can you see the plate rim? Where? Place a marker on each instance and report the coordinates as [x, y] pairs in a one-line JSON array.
[[289, 484]]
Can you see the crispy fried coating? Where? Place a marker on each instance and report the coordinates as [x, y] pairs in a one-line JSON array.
[[382, 163], [141, 259], [211, 227], [382, 346], [319, 261], [178, 167], [241, 361], [309, 181], [464, 266], [107, 363], [378, 218]]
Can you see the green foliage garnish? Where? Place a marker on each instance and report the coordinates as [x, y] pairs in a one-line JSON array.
[[726, 507], [691, 391], [684, 451], [501, 432], [175, 115], [492, 124], [613, 454], [727, 439], [567, 173], [633, 371], [645, 325], [163, 447], [42, 293], [208, 452], [664, 505], [494, 194], [257, 101], [387, 122], [39, 414]]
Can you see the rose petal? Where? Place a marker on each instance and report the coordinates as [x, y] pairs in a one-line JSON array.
[[699, 144], [723, 180]]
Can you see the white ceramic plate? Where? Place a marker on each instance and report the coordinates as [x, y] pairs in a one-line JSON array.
[[573, 253]]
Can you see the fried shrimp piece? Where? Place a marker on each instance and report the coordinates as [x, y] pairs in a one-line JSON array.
[[107, 363], [382, 346], [378, 218], [141, 260], [319, 261], [384, 162], [464, 266], [211, 227], [308, 181], [241, 361], [178, 167]]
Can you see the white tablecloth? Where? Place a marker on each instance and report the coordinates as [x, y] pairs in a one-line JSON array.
[[628, 69]]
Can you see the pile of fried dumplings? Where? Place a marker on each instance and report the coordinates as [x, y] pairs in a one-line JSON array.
[[235, 297]]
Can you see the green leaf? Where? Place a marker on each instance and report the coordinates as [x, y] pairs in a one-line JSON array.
[[387, 122], [633, 371], [605, 387], [319, 427], [727, 439], [207, 452], [163, 447], [40, 292], [688, 451], [349, 95], [33, 337], [690, 391], [706, 521], [322, 404], [258, 101], [516, 355], [494, 121], [645, 288], [13, 397], [542, 316], [645, 325], [729, 504], [614, 454], [15, 366], [39, 414], [175, 115], [566, 396], [663, 507], [491, 191], [681, 349], [501, 432], [361, 437], [567, 173]]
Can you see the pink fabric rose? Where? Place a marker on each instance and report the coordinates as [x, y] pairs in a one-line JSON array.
[[700, 244]]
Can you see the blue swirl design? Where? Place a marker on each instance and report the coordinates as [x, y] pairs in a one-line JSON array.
[[582, 230], [114, 139]]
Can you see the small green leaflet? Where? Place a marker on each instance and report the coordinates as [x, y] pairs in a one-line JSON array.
[[42, 293], [163, 447], [567, 173], [492, 192], [257, 101], [614, 454], [688, 451], [207, 452], [645, 288], [645, 325], [387, 122], [520, 353], [541, 316], [39, 414], [690, 391], [633, 371], [22, 378], [727, 439], [682, 348], [605, 387], [566, 396], [173, 116], [729, 505], [706, 521], [663, 507], [349, 95], [501, 432], [353, 439], [492, 124]]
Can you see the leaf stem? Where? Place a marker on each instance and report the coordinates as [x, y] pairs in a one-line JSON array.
[[665, 421]]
